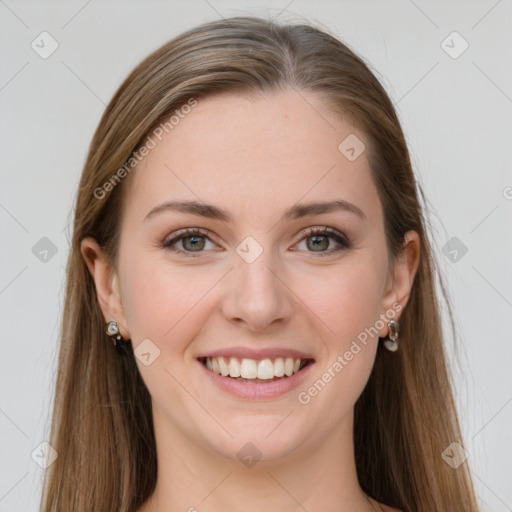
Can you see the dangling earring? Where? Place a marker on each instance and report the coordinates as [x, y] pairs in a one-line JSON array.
[[112, 329], [391, 343]]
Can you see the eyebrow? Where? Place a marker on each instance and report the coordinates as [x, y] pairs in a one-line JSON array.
[[295, 212]]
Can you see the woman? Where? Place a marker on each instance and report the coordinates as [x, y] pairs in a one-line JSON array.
[[248, 234]]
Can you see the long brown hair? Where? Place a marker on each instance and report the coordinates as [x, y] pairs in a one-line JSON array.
[[102, 422]]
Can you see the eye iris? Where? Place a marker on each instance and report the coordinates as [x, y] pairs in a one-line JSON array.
[[196, 242], [317, 242]]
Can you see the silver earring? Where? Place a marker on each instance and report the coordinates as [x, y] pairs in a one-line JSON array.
[[391, 343], [112, 329]]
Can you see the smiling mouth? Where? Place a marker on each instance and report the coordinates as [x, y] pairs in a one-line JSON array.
[[253, 370]]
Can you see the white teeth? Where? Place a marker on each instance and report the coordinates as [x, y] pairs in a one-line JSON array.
[[248, 369], [288, 366], [224, 368], [279, 367], [264, 369], [234, 367]]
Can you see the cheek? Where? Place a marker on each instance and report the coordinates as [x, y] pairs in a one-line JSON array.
[[165, 302], [347, 307], [346, 303], [345, 299]]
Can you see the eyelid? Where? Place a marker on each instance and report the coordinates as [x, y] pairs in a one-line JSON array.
[[312, 230]]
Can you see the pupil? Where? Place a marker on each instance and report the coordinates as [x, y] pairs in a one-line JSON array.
[[317, 242]]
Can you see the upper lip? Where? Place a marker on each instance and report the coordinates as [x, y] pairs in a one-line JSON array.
[[256, 354]]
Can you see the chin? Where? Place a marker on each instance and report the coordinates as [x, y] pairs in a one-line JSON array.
[[258, 438]]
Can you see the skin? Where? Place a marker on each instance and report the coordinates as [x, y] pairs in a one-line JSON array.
[[254, 157]]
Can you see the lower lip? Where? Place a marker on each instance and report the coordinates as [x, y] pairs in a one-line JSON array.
[[257, 390]]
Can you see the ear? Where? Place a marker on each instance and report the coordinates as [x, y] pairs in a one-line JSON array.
[[401, 279], [107, 284]]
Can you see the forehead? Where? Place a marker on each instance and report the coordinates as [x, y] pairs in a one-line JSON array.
[[245, 152]]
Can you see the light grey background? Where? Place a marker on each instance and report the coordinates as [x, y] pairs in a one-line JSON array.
[[456, 113]]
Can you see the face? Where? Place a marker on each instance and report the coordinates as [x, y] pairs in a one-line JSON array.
[[251, 274]]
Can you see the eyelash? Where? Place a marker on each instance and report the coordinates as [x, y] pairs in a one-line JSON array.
[[324, 231]]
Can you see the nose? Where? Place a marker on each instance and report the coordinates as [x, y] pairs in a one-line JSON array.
[[256, 294]]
